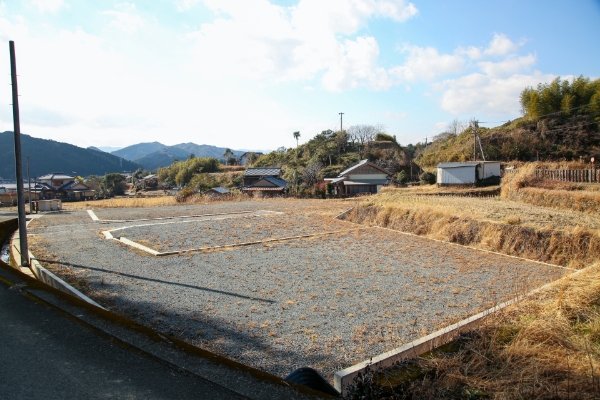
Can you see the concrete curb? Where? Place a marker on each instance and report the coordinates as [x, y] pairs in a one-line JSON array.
[[37, 271], [95, 218]]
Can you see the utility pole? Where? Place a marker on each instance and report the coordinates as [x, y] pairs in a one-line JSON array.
[[29, 184], [475, 125], [341, 116], [18, 160]]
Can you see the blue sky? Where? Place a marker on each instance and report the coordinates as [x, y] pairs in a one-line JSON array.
[[247, 73]]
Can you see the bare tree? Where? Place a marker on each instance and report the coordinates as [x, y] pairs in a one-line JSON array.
[[457, 127], [311, 173], [363, 134]]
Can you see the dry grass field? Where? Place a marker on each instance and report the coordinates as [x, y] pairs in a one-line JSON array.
[[545, 347]]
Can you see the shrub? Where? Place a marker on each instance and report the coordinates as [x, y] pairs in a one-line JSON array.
[[427, 178], [402, 177]]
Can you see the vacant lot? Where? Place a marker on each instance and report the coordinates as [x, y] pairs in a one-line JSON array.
[[324, 301]]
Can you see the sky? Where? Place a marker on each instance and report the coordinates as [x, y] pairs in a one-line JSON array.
[[246, 74]]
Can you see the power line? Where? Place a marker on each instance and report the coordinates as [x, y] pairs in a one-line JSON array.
[[562, 111]]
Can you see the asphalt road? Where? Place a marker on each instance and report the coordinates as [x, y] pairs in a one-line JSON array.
[[5, 214], [46, 355]]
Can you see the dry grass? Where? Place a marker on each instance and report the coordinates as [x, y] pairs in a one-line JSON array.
[[546, 347], [122, 203], [524, 186]]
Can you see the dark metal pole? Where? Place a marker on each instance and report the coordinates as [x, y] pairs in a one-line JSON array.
[[29, 184], [18, 161]]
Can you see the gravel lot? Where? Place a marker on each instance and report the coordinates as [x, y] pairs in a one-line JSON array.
[[325, 302], [241, 228]]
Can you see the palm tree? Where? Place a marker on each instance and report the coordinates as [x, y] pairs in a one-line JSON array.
[[296, 136]]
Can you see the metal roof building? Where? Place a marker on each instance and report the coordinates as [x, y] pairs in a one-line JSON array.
[[466, 173]]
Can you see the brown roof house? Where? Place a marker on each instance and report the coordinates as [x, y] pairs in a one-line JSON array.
[[57, 185], [264, 182], [364, 177]]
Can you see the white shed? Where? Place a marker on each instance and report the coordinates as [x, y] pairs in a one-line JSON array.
[[466, 173]]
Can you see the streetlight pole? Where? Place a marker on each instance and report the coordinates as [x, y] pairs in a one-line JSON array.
[[18, 160]]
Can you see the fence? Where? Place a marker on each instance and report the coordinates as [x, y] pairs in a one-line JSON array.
[[575, 175]]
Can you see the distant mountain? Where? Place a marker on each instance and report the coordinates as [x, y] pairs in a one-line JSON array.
[[95, 149], [49, 156], [139, 150], [164, 156], [108, 149], [205, 150]]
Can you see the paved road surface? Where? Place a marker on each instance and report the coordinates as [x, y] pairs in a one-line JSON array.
[[46, 355]]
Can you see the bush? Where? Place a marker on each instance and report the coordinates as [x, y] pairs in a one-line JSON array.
[[427, 178], [402, 177]]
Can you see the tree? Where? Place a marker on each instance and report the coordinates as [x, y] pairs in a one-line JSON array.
[[113, 184], [311, 173], [402, 177], [363, 134], [228, 156], [93, 182], [296, 136]]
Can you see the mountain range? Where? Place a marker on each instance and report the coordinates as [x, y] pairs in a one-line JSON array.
[[48, 156], [154, 155]]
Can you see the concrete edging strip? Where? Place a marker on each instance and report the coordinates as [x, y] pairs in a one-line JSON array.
[[430, 342], [95, 218], [43, 275], [139, 246], [37, 271]]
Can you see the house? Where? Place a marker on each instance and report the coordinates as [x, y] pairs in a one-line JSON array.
[[264, 181], [364, 177], [252, 175], [217, 192], [149, 181], [466, 173], [57, 185]]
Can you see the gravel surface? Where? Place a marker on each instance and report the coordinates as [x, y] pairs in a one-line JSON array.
[[327, 302], [241, 228], [222, 207]]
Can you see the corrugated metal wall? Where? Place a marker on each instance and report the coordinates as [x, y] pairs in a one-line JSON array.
[[457, 176]]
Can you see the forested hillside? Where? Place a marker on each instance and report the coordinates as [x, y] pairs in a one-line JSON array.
[[560, 122], [49, 156]]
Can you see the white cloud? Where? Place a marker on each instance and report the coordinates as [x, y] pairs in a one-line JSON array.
[[125, 18], [51, 6], [183, 5], [256, 39], [508, 66], [425, 63], [500, 45], [479, 93]]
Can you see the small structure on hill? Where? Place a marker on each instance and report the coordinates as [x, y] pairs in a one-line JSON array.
[[466, 173], [217, 192], [364, 177], [264, 181]]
